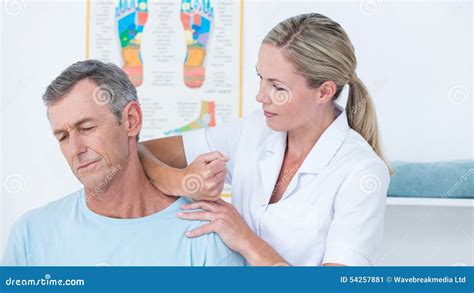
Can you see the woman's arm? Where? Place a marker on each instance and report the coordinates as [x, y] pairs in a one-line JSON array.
[[168, 150], [226, 221], [257, 252], [203, 179], [161, 175]]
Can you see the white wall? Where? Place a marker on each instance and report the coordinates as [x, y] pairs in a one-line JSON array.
[[2, 226], [38, 44], [410, 55]]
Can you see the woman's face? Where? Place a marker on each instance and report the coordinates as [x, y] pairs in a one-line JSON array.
[[288, 102]]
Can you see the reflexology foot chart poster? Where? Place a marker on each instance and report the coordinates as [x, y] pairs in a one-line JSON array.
[[183, 56]]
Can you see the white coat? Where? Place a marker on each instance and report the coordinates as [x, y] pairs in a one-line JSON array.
[[333, 208]]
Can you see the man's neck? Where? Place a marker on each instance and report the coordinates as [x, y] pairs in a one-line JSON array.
[[128, 194]]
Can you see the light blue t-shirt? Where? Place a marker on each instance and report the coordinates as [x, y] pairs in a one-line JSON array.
[[67, 233]]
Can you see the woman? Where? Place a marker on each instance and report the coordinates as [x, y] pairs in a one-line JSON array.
[[308, 181]]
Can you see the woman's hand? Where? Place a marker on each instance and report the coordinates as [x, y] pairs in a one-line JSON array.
[[203, 179], [226, 221], [223, 219]]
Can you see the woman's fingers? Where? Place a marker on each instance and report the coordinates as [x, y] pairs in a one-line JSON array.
[[211, 156], [204, 205], [204, 229], [202, 216], [216, 166], [220, 177], [215, 185], [222, 202], [205, 176]]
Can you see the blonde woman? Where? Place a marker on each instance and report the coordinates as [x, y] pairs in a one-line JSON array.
[[309, 179]]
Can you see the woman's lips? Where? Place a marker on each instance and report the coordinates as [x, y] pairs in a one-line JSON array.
[[269, 114]]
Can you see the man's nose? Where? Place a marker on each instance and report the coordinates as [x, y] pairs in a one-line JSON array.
[[76, 144]]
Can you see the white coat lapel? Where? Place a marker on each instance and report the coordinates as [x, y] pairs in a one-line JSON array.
[[271, 155], [323, 151]]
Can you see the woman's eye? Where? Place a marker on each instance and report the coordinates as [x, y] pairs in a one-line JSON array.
[[278, 88]]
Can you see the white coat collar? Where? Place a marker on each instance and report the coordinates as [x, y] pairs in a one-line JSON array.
[[272, 151], [328, 144]]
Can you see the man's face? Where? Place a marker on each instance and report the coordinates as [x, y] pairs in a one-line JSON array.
[[90, 138]]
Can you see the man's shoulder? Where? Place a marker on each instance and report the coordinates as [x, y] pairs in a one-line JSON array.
[[210, 250], [50, 212], [218, 253]]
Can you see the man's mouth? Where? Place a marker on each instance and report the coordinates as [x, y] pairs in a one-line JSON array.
[[86, 165]]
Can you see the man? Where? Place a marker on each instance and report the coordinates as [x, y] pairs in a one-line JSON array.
[[119, 217]]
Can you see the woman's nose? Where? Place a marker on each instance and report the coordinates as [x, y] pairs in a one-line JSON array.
[[263, 96]]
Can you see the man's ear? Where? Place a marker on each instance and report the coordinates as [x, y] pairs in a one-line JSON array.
[[326, 91], [132, 118]]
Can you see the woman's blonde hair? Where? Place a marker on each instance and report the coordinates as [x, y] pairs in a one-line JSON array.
[[320, 50]]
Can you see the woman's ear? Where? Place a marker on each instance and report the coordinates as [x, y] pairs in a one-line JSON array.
[[132, 117], [326, 91]]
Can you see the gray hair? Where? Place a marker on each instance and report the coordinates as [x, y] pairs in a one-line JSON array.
[[114, 87]]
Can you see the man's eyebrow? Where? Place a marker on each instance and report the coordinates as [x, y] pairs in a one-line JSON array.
[[76, 124]]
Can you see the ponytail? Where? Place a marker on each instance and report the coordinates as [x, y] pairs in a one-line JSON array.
[[362, 118], [321, 50]]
